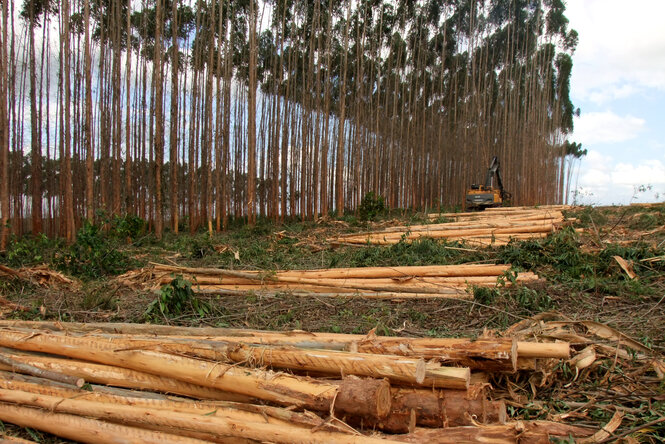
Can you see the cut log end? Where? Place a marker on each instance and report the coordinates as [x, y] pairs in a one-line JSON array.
[[364, 397], [421, 371]]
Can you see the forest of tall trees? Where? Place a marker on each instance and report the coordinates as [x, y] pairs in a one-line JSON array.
[[189, 112]]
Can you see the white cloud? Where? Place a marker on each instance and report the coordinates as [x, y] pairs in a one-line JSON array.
[[606, 127], [621, 49], [604, 182], [648, 172]]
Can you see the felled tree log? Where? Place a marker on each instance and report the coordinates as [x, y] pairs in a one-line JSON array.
[[85, 430], [448, 292], [184, 421], [412, 371], [490, 354], [457, 435], [35, 371], [350, 285], [392, 281], [439, 408], [519, 432], [236, 411], [487, 224], [14, 439], [451, 233], [356, 273], [279, 388], [122, 377], [327, 283]]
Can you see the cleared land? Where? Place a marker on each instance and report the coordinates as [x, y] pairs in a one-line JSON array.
[[611, 274]]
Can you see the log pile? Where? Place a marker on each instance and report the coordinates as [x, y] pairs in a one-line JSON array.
[[145, 383], [436, 281], [494, 226]]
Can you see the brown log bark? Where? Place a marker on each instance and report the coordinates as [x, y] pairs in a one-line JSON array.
[[439, 408]]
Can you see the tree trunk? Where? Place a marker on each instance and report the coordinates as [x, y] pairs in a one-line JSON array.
[[251, 117], [342, 117], [70, 231], [89, 153], [35, 145], [159, 120], [4, 131]]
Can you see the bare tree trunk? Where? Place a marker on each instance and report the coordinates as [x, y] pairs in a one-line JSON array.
[[116, 113], [159, 121], [70, 231], [129, 192], [173, 137], [251, 118], [35, 145], [208, 209], [89, 153], [342, 116], [4, 131]]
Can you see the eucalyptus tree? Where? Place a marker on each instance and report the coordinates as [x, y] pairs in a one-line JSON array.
[[4, 128], [33, 11], [295, 116]]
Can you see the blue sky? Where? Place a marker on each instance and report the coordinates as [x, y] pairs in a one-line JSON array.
[[619, 83]]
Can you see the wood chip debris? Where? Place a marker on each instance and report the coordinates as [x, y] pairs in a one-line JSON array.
[[42, 276]]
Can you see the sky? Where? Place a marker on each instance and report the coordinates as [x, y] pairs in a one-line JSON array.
[[618, 82]]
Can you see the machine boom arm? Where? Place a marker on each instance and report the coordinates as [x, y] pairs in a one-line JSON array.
[[494, 169]]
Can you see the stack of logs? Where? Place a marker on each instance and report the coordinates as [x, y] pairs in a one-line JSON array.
[[436, 281], [494, 226], [161, 384]]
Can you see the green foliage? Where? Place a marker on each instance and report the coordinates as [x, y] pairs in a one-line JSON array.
[[93, 255], [635, 253], [424, 251], [559, 259], [532, 300], [591, 216], [648, 221], [371, 207], [559, 251], [29, 250], [485, 295], [201, 246], [128, 227], [34, 434], [175, 299]]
